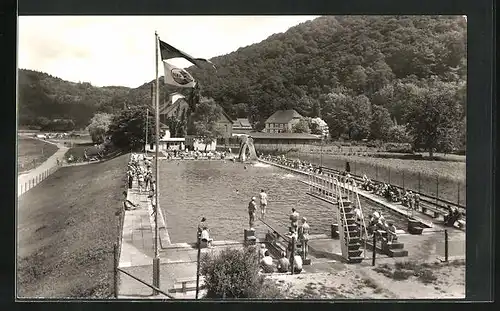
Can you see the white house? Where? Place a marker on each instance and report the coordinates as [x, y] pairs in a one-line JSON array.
[[321, 125], [168, 143]]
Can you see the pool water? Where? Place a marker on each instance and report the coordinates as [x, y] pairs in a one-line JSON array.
[[220, 191]]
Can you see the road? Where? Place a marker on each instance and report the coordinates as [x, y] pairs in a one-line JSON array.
[[33, 177]]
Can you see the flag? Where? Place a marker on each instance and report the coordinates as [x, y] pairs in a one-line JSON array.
[[177, 76], [167, 52]]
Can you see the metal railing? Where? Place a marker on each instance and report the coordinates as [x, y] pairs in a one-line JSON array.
[[117, 270]]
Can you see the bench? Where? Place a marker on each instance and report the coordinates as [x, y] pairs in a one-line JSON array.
[[435, 211], [188, 280]]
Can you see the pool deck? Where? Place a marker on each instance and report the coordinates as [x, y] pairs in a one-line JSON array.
[[178, 260]]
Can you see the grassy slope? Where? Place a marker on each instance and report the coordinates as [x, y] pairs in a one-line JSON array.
[[66, 230], [30, 153]]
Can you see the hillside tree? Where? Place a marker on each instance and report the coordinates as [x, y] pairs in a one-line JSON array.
[[301, 127], [205, 121], [99, 126], [380, 123], [128, 129], [434, 118]]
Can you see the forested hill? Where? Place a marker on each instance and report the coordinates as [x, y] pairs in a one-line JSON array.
[[43, 98], [359, 73], [372, 56]]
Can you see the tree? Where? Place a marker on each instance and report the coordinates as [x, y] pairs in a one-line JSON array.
[[397, 134], [434, 117], [205, 121], [301, 127], [381, 122], [315, 129], [347, 115], [234, 273], [99, 126], [128, 129]]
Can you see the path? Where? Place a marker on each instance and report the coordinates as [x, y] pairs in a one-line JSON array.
[[30, 179]]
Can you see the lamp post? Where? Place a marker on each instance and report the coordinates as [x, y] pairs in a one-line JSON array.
[[198, 241], [323, 136]]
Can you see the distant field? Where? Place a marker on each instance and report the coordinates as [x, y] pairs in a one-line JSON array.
[[66, 230], [436, 178], [32, 152]]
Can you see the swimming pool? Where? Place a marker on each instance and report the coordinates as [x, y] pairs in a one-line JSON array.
[[220, 191]]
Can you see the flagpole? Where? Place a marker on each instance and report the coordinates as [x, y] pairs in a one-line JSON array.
[[156, 260], [147, 117]]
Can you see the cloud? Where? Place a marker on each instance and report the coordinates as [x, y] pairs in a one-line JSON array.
[[119, 50]]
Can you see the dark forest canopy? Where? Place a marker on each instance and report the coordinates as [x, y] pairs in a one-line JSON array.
[[351, 67], [363, 55]]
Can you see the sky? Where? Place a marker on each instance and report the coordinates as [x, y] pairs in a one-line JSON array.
[[120, 50]]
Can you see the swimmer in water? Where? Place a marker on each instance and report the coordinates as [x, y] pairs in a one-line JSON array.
[[245, 167]]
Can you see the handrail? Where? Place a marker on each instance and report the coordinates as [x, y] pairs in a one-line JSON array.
[[363, 223], [279, 234], [148, 285], [341, 206], [414, 191]]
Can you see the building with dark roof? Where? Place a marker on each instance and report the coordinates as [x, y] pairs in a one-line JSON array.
[[261, 138], [241, 126], [282, 121], [177, 105]]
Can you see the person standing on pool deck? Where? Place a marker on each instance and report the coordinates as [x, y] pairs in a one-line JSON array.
[[263, 203], [294, 219], [252, 207]]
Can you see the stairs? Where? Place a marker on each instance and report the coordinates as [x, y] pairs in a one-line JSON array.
[[396, 249], [349, 232]]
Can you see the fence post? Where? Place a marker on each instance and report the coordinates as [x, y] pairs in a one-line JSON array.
[[403, 180], [115, 273], [355, 168], [437, 189], [419, 182], [389, 175], [374, 248], [376, 172], [293, 254], [458, 193], [446, 245]]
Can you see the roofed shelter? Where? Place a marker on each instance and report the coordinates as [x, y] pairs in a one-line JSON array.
[[282, 121]]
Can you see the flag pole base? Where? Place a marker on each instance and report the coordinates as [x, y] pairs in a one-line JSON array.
[[156, 274]]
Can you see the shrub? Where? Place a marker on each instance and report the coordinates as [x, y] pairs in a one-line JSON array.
[[402, 274], [427, 276], [233, 273]]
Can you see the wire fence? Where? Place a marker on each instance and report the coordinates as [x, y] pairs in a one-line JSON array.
[[433, 186], [27, 183]]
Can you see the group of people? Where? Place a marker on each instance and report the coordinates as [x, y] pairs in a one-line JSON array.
[[139, 168], [452, 216], [378, 222], [298, 234], [294, 163], [252, 208], [283, 263], [203, 234], [197, 154]]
